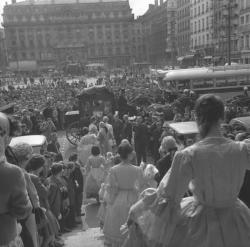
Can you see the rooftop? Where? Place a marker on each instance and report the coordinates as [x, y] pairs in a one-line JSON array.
[[45, 2]]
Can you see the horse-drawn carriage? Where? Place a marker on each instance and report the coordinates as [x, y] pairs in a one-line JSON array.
[[95, 101]]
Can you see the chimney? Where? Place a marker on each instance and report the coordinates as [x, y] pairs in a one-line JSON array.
[[13, 1], [156, 3]]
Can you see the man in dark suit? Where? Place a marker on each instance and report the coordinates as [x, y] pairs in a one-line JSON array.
[[127, 130], [141, 140], [117, 129]]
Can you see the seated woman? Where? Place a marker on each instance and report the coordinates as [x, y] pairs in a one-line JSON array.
[[123, 186], [214, 170]]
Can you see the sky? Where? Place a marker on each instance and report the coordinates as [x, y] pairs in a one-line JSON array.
[[139, 6]]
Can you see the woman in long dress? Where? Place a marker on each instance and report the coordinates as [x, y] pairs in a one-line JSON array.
[[213, 169], [86, 143], [103, 138], [95, 169], [123, 186]]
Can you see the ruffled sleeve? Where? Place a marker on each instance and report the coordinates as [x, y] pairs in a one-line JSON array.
[[157, 213], [112, 187]]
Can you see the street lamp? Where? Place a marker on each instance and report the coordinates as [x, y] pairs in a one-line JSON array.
[[229, 7], [171, 29]]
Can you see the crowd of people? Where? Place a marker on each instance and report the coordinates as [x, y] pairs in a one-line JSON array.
[[154, 188]]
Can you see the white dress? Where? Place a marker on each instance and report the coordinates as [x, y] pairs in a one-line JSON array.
[[85, 146], [123, 186], [213, 216]]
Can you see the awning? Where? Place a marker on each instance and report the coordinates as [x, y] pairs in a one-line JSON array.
[[189, 56], [208, 57], [179, 59], [217, 59], [95, 65], [23, 66]]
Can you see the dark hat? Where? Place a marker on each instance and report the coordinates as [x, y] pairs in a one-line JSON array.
[[36, 162], [56, 168]]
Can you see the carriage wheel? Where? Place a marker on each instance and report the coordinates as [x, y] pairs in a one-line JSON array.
[[73, 133]]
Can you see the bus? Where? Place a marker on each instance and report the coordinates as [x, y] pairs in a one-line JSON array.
[[221, 79]]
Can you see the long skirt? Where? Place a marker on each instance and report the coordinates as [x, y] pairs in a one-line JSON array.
[[17, 242]]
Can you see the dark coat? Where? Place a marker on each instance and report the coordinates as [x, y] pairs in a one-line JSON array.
[[42, 191], [163, 165], [141, 136], [127, 131], [14, 201], [55, 197], [78, 179], [118, 129]]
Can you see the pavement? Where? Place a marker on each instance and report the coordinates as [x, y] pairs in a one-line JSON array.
[[93, 237]]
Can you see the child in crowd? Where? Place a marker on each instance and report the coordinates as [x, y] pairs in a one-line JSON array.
[[110, 162]]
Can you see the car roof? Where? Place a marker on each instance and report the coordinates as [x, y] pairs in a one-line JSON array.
[[33, 140], [185, 128]]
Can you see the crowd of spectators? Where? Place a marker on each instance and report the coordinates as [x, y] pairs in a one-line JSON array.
[[50, 199]]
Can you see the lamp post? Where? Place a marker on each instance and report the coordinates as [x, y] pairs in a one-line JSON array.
[[229, 8], [171, 26]]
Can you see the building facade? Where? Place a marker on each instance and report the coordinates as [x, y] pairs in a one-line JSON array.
[[201, 24], [3, 54], [226, 27], [183, 27], [58, 32], [158, 30], [244, 31], [138, 48]]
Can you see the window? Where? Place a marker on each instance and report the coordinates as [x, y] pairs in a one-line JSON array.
[[32, 55], [203, 24], [247, 42], [110, 51], [242, 19], [101, 52], [92, 51], [118, 50], [247, 19], [23, 55], [13, 42]]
